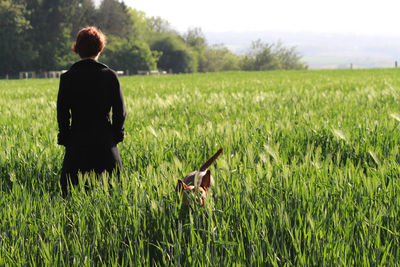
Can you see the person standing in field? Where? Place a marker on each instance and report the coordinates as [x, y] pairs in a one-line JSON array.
[[88, 91]]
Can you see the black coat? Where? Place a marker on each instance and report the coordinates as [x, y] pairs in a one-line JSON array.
[[88, 92]]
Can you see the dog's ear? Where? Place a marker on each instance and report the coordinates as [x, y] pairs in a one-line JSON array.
[[180, 186], [205, 181]]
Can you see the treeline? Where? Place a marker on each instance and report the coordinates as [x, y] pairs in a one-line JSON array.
[[38, 35]]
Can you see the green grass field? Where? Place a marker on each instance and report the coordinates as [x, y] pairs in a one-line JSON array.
[[309, 174]]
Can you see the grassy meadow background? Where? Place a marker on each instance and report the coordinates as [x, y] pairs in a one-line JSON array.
[[309, 174]]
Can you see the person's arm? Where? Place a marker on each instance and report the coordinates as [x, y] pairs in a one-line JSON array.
[[63, 114], [118, 110]]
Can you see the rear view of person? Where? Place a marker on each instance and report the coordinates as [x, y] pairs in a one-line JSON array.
[[88, 91]]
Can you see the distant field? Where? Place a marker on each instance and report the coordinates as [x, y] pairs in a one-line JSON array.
[[337, 62], [309, 175]]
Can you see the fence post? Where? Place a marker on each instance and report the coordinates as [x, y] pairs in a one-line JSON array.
[[395, 64]]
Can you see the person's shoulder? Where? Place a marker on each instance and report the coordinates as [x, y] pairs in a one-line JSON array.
[[105, 68], [108, 71], [65, 75], [102, 65]]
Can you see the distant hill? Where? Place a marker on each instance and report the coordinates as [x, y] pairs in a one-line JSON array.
[[322, 50]]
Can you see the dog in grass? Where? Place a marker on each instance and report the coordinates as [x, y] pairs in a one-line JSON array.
[[203, 177]]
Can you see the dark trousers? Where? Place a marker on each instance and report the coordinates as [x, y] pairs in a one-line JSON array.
[[88, 159]]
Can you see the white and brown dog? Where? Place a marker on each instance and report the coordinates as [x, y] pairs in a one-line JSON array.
[[204, 179]]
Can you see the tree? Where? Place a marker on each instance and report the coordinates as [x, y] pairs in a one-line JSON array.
[[113, 18], [16, 52], [196, 41], [264, 56], [195, 38], [129, 55], [210, 58], [51, 32], [175, 55], [81, 14], [219, 58], [38, 35], [158, 25], [288, 58], [260, 57], [140, 30]]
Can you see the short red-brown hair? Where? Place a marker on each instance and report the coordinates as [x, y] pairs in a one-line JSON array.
[[89, 42]]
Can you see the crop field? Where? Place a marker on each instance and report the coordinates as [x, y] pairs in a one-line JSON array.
[[309, 175]]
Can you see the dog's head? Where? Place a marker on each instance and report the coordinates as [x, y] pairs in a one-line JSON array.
[[202, 188]]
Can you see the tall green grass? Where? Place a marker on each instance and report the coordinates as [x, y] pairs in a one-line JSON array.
[[309, 174]]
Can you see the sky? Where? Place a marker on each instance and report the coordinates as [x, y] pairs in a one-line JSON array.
[[365, 17]]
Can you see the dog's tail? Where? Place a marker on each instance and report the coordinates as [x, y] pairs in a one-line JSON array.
[[211, 160]]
